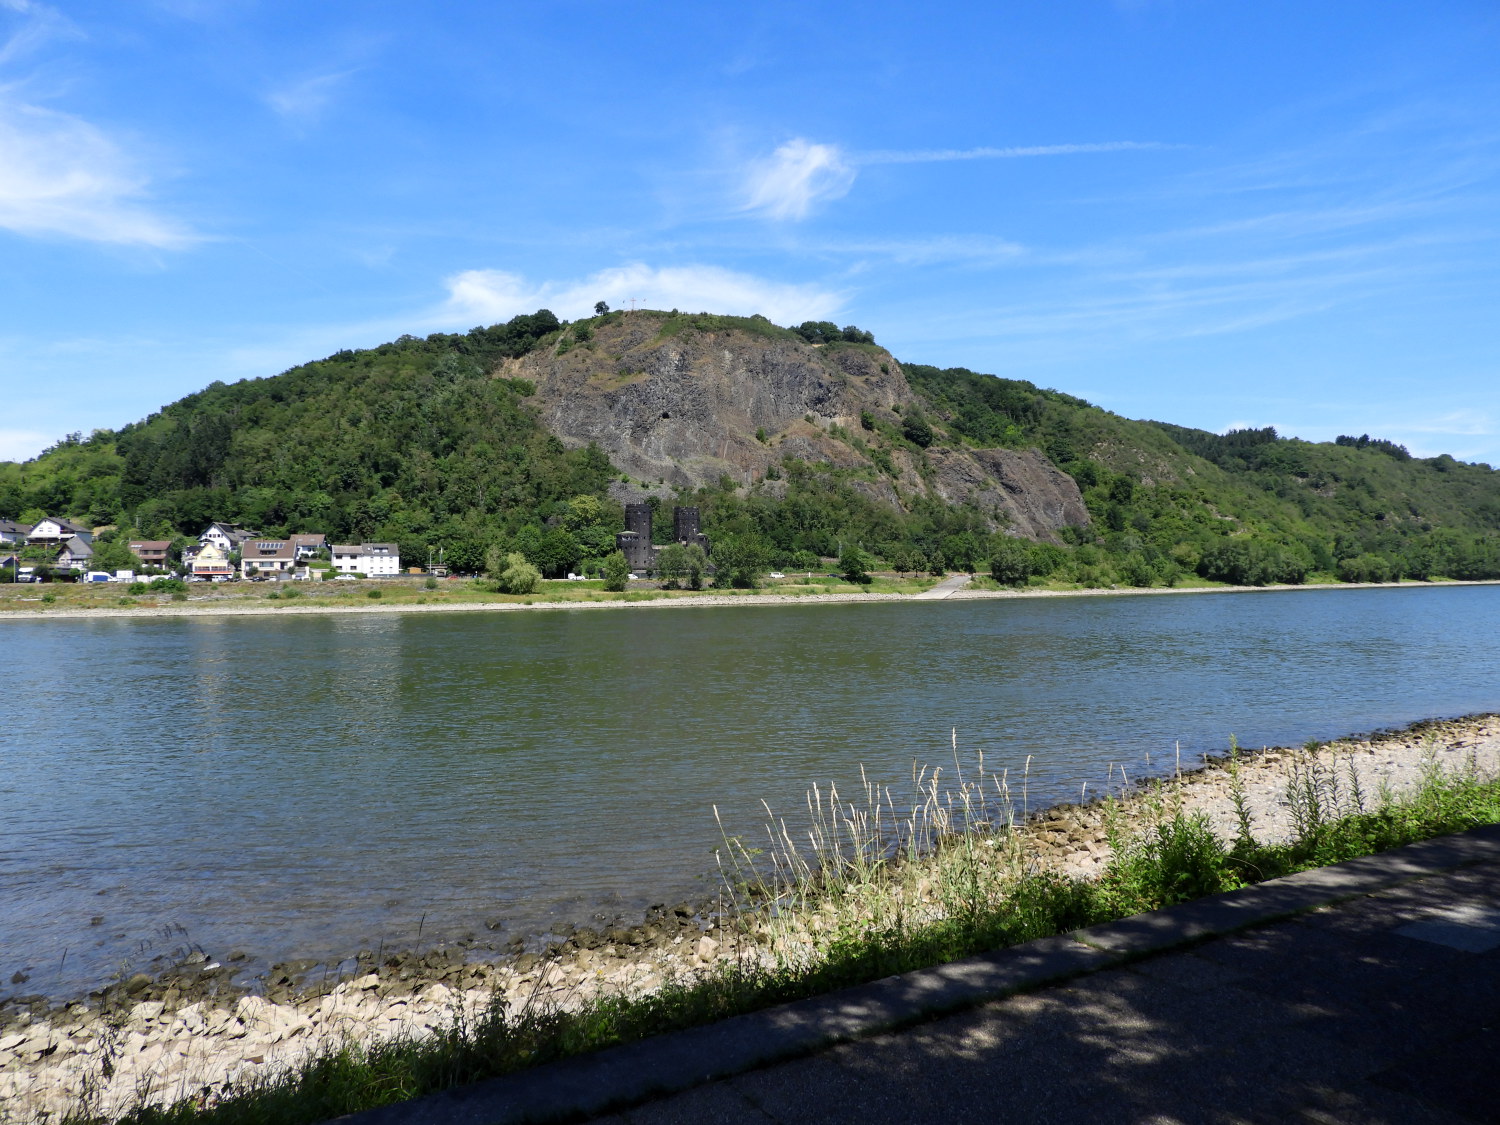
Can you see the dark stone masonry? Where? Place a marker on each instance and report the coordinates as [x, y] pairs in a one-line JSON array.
[[635, 540]]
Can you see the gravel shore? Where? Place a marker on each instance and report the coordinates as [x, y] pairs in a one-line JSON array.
[[241, 607], [190, 1032]]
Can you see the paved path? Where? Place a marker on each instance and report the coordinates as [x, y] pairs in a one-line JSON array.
[[949, 585], [1362, 993], [1386, 1008]]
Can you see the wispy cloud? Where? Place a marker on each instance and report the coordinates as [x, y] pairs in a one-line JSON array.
[[793, 180], [62, 177], [798, 175], [938, 155], [494, 295], [956, 249], [1467, 423], [39, 24], [306, 99]]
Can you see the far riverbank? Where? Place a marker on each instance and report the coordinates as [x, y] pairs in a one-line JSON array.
[[661, 599]]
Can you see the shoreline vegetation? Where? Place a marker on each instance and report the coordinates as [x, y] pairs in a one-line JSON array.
[[953, 862], [77, 602]]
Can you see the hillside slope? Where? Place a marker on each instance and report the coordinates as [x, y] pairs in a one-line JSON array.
[[796, 443], [689, 402]]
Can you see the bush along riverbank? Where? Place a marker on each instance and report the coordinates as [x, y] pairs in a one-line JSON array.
[[880, 885]]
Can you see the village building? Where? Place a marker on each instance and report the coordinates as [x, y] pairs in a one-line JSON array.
[[151, 552], [53, 531], [13, 532], [76, 554], [373, 560], [265, 558], [307, 544], [226, 536], [211, 561]]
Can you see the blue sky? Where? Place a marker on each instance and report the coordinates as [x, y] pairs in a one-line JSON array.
[[1213, 213]]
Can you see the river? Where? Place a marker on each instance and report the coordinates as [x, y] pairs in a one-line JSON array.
[[311, 786]]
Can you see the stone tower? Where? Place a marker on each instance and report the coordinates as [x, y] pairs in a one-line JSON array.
[[686, 529], [635, 540]]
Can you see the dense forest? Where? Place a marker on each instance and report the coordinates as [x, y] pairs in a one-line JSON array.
[[1248, 506], [420, 443]]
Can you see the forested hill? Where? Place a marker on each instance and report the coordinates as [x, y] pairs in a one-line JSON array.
[[1264, 507], [439, 442]]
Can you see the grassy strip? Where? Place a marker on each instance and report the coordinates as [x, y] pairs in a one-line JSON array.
[[411, 591], [864, 910]]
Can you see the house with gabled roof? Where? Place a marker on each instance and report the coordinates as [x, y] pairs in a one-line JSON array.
[[211, 561], [151, 552], [54, 531], [226, 536], [13, 532], [308, 543], [265, 558], [76, 554]]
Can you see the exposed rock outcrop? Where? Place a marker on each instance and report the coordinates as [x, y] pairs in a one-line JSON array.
[[1034, 496], [686, 406]]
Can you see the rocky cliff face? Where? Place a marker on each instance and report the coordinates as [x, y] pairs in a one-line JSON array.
[[687, 406]]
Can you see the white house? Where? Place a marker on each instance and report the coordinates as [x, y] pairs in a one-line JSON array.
[[309, 543], [225, 536], [13, 532], [52, 531], [267, 557], [373, 560]]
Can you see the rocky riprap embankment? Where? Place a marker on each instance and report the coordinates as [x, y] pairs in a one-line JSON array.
[[190, 1031], [1073, 838]]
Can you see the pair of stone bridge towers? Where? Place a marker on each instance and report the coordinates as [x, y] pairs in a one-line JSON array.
[[635, 540]]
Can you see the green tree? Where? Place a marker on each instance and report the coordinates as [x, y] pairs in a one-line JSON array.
[[903, 558], [1010, 561], [916, 429], [963, 551], [464, 556], [516, 575], [584, 511], [115, 555], [672, 565], [856, 565], [695, 566], [740, 561], [600, 308], [1136, 570], [616, 571], [556, 552]]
